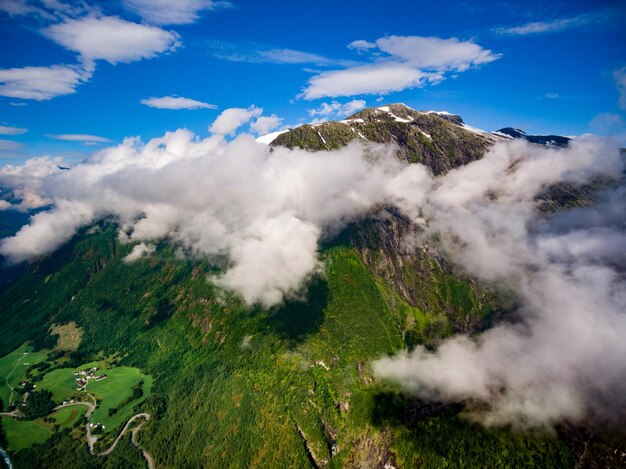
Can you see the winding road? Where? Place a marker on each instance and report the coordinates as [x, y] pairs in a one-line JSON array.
[[91, 440]]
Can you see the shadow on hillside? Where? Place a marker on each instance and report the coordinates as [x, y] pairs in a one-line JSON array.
[[161, 313], [296, 319], [396, 409]]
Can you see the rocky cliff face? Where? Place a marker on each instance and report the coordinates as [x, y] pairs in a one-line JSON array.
[[418, 277]]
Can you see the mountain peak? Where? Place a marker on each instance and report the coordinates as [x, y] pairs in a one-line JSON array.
[[439, 140]]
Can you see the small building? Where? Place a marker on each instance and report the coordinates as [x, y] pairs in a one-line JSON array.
[[102, 376]]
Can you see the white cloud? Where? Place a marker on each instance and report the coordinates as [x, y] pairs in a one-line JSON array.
[[379, 78], [556, 25], [112, 39], [169, 12], [265, 124], [620, 80], [263, 208], [401, 62], [433, 53], [41, 83], [26, 180], [140, 250], [231, 119], [176, 103], [361, 45], [266, 209], [93, 37], [79, 138], [564, 359], [6, 130], [335, 108]]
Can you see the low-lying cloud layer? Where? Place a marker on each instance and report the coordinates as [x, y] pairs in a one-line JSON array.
[[265, 211], [565, 359]]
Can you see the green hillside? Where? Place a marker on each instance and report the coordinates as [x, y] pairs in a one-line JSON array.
[[226, 386], [233, 387]]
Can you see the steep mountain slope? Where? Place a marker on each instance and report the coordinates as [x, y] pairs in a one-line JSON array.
[[290, 386]]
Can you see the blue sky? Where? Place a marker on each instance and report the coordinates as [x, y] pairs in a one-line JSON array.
[[77, 76]]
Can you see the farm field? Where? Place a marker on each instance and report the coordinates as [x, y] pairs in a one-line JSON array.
[[22, 434], [67, 417], [13, 369], [116, 395]]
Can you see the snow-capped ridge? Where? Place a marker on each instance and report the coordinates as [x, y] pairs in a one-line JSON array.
[[269, 138]]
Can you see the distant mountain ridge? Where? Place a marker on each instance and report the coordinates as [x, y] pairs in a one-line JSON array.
[[550, 140]]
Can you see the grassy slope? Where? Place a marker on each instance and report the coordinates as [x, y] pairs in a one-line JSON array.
[[238, 388], [13, 366], [67, 417], [24, 433], [111, 393]]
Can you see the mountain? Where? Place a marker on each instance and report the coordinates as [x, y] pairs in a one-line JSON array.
[[551, 140], [288, 386], [433, 138], [439, 140]]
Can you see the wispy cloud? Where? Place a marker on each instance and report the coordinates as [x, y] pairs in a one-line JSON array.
[[291, 56], [556, 25], [256, 53], [79, 138], [168, 12], [45, 10], [336, 109], [361, 45], [6, 130], [176, 103], [620, 80], [9, 145]]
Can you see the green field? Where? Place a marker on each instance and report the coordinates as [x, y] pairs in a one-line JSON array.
[[61, 383], [24, 433], [13, 366], [112, 393], [67, 417]]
